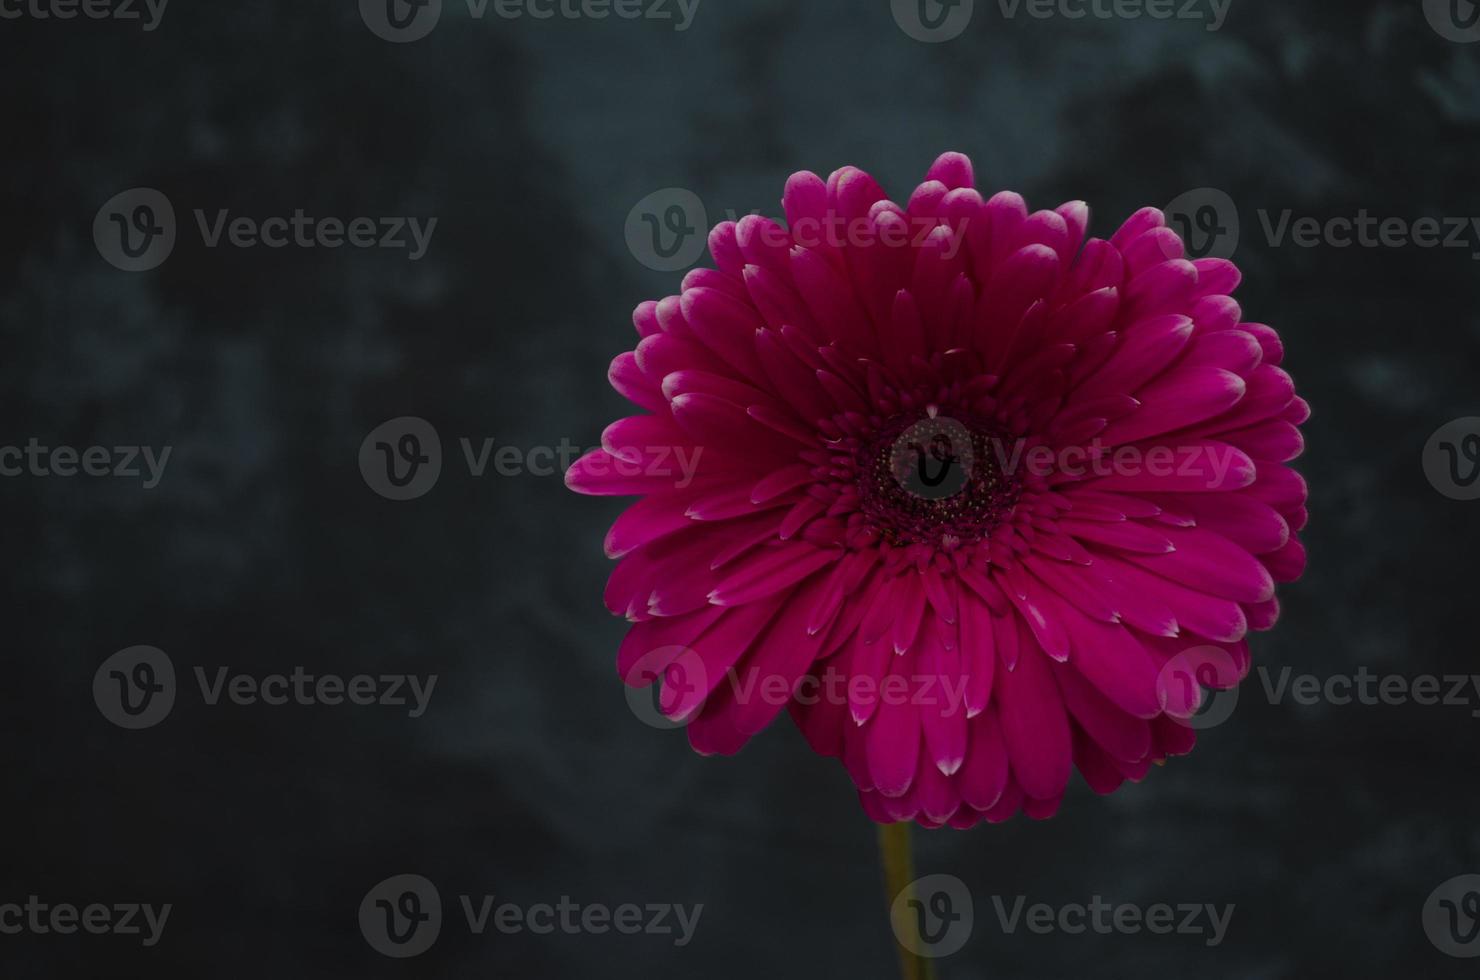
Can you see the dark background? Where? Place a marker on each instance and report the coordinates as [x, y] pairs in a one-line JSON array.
[[529, 778]]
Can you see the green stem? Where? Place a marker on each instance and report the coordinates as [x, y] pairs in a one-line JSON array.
[[899, 876]]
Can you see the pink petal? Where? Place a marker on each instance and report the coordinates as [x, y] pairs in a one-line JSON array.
[[1034, 727]]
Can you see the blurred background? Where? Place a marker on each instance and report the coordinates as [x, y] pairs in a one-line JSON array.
[[263, 548]]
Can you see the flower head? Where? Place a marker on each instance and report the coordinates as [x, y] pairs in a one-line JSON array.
[[978, 500]]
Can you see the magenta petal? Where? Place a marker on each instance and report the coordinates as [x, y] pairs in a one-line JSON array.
[[1035, 727], [941, 692], [893, 747], [953, 170], [645, 521], [1177, 399], [1122, 735], [1117, 664], [770, 572], [983, 777], [1212, 563]]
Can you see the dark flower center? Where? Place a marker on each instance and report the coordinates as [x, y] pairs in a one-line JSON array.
[[923, 480]]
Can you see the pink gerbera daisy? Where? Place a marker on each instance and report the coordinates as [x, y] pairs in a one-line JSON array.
[[971, 495]]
